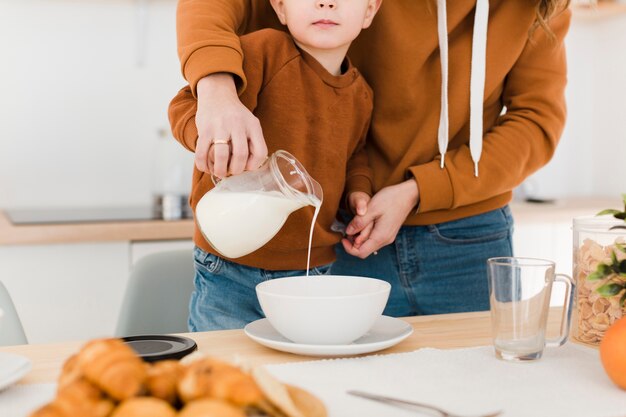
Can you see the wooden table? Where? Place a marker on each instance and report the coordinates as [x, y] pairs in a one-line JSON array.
[[441, 331]]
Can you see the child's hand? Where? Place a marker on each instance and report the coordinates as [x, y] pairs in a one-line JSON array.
[[358, 201]]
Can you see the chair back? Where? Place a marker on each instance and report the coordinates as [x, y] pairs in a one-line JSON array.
[[11, 330], [157, 296]]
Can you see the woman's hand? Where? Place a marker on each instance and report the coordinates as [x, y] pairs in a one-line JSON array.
[[230, 139], [386, 212]]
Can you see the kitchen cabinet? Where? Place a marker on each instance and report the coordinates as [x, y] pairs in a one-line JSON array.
[[66, 291], [140, 249], [73, 291], [67, 280]]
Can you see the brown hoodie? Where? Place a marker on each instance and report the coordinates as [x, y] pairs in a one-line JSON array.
[[320, 118], [400, 57]]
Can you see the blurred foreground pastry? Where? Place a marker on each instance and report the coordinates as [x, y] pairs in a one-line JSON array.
[[114, 367], [78, 398], [162, 380], [144, 407], [106, 378]]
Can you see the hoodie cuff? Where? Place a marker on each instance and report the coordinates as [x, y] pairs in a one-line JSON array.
[[213, 59], [190, 134], [359, 183], [434, 185]]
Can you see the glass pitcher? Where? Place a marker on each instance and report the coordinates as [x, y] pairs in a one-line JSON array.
[[244, 212]]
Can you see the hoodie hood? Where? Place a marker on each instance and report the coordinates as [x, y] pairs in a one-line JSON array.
[[477, 80]]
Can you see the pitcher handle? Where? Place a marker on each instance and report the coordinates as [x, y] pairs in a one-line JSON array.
[[567, 310]]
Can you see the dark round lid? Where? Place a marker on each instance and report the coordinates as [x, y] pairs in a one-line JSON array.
[[152, 348]]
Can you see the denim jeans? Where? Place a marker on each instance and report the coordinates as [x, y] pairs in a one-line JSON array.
[[439, 268], [224, 296]]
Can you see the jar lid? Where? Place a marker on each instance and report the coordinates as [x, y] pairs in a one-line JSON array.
[[598, 224]]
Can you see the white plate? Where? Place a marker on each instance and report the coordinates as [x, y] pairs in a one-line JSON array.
[[12, 368], [386, 332]]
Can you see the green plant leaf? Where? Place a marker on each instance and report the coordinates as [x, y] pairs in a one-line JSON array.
[[595, 276], [608, 211], [614, 262], [621, 215], [622, 301], [621, 247], [604, 269], [624, 198], [609, 290]]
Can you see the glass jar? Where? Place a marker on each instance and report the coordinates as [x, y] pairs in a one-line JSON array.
[[596, 244]]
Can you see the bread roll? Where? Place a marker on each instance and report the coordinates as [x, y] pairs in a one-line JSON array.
[[210, 378], [163, 379], [211, 408], [80, 398], [144, 407], [114, 367]]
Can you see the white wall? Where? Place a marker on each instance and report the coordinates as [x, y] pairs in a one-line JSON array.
[[82, 99], [591, 157]]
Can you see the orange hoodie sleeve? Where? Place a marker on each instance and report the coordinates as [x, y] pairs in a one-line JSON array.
[[522, 140], [358, 171], [208, 36]]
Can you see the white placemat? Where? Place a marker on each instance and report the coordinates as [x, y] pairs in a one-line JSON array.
[[21, 400], [567, 382]]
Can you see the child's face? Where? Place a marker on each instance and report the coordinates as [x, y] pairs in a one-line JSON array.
[[325, 24]]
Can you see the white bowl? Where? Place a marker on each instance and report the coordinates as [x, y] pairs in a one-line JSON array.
[[323, 310]]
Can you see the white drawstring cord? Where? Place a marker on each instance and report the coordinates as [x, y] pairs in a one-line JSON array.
[[442, 29], [477, 80]]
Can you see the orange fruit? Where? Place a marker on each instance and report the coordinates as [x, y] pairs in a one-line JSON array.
[[613, 352]]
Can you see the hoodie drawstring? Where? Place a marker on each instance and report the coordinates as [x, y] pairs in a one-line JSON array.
[[477, 80], [442, 30]]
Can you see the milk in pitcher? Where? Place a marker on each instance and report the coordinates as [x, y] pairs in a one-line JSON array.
[[239, 223]]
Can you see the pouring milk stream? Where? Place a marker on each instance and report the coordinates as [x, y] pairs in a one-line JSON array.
[[244, 212]]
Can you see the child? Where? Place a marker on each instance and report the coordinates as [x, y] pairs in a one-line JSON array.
[[311, 102]]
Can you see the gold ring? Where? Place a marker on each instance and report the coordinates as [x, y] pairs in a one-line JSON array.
[[221, 142], [264, 161]]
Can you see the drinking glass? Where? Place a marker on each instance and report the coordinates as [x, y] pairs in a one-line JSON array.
[[519, 295]]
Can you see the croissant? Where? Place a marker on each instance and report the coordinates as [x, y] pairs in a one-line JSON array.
[[79, 398], [210, 408], [114, 367], [163, 378], [144, 407], [70, 372], [210, 378]]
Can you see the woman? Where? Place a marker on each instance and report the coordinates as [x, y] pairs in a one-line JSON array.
[[468, 102]]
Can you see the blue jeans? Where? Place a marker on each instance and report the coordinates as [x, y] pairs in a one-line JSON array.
[[439, 268], [224, 296]]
